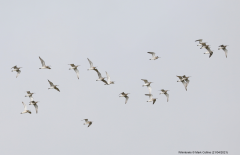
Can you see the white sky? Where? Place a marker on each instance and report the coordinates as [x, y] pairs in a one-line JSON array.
[[116, 36]]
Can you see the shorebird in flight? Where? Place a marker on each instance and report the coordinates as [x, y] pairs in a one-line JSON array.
[[181, 79], [35, 105], [165, 93], [17, 69], [153, 56], [91, 65], [223, 47], [53, 86], [148, 85], [124, 95], [100, 78], [87, 122], [151, 99], [75, 69], [43, 64], [25, 109]]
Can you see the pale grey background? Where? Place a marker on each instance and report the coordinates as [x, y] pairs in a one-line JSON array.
[[116, 36]]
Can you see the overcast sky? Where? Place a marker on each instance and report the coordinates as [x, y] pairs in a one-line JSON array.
[[116, 36]]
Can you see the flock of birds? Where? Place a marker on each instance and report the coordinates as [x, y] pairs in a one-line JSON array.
[[184, 79], [209, 51]]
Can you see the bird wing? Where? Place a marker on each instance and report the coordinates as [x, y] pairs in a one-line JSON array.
[[104, 81], [167, 96], [226, 51], [126, 99], [36, 107], [51, 84], [85, 120], [108, 78], [28, 92], [154, 101], [72, 65], [14, 67], [153, 53], [122, 93], [150, 89], [99, 74], [179, 77], [210, 54], [200, 40], [187, 82], [25, 107], [42, 61], [90, 123], [184, 84], [76, 70], [56, 88], [146, 81], [90, 62], [18, 72]]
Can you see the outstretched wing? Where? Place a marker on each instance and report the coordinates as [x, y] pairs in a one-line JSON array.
[[150, 89], [42, 61], [57, 89], [154, 101], [146, 81], [25, 107], [72, 65], [226, 51], [105, 81], [90, 62], [36, 107], [77, 72], [167, 96], [126, 99], [99, 74], [18, 72], [108, 78], [153, 53], [90, 123], [180, 77], [51, 84], [187, 82], [200, 40]]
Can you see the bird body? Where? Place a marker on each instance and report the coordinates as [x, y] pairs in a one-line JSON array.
[[17, 69]]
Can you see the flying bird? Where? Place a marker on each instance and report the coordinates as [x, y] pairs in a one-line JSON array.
[[53, 86], [100, 78], [223, 47], [151, 99], [25, 109], [91, 65], [124, 95], [43, 64], [75, 69], [35, 105], [17, 69], [153, 56], [181, 79], [29, 94], [186, 79], [87, 122], [199, 40], [148, 85], [165, 93]]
